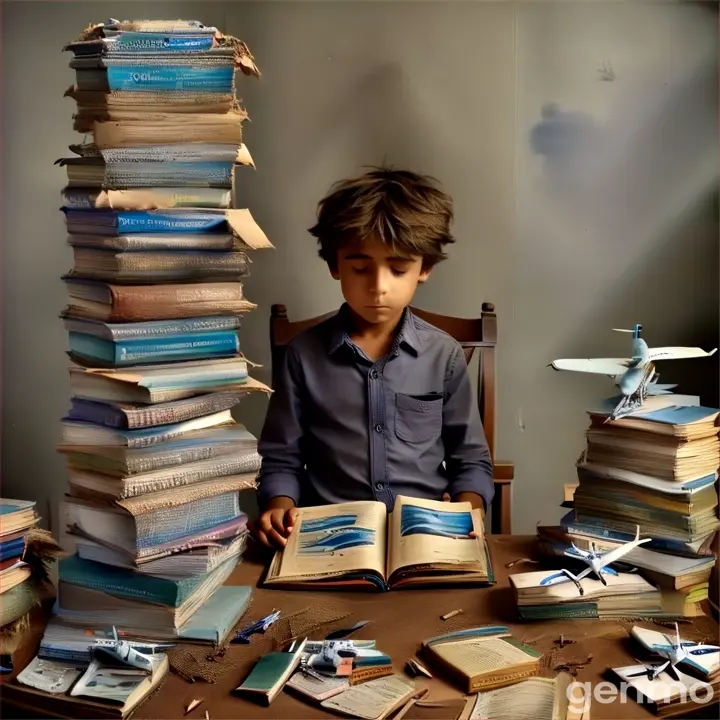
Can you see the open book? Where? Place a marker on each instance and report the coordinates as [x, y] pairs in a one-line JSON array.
[[360, 544]]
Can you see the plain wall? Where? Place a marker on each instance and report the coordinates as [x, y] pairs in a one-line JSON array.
[[578, 141]]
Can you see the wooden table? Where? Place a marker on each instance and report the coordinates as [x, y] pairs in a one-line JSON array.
[[400, 620]]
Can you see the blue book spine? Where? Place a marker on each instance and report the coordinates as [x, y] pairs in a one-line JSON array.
[[177, 174], [185, 520], [181, 347], [142, 42], [171, 77], [163, 222]]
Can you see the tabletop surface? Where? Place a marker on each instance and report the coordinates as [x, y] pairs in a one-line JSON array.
[[399, 621]]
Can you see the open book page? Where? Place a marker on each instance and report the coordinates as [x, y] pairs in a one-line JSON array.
[[335, 539], [373, 699], [532, 699], [431, 532], [476, 656]]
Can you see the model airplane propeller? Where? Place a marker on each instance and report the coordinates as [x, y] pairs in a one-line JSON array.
[[597, 562], [636, 376], [674, 653]]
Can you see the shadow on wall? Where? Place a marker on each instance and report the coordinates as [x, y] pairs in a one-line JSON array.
[[621, 177], [646, 182]]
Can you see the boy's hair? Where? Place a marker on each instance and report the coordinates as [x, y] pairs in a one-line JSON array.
[[405, 210]]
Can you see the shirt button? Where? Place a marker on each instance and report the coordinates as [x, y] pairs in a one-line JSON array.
[[378, 428], [379, 486], [374, 374]]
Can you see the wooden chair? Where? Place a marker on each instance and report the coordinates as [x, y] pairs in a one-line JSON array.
[[478, 333]]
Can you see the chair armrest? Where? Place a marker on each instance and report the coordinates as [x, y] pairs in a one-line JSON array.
[[503, 471]]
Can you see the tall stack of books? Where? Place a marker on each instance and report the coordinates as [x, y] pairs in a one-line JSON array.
[[654, 470], [156, 462]]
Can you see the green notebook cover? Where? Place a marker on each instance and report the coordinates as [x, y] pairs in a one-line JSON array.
[[271, 672]]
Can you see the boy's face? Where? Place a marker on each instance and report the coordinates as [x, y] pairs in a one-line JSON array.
[[376, 281]]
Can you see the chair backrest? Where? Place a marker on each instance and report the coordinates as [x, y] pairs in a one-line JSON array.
[[472, 334]]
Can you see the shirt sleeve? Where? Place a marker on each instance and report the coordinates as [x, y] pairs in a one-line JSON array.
[[467, 456], [280, 444]]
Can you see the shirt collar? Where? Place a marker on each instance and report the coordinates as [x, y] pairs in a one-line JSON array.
[[406, 336]]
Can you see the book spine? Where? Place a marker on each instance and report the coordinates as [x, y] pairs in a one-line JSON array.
[[183, 476], [137, 465], [97, 413], [500, 680], [149, 416], [142, 42], [172, 524], [361, 675], [152, 77], [180, 348], [177, 174], [138, 331], [190, 263], [153, 301], [146, 221]]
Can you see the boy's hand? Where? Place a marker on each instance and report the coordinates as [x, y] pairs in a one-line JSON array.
[[275, 523], [474, 499]]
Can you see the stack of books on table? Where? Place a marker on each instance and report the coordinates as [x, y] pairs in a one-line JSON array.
[[26, 552], [654, 470], [156, 462]]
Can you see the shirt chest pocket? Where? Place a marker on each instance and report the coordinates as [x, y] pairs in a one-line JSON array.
[[418, 418]]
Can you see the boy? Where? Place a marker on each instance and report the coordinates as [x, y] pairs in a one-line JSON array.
[[373, 402]]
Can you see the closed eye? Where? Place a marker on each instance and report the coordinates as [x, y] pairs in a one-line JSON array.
[[397, 272]]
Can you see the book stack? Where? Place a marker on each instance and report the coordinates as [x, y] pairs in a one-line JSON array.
[[654, 470], [25, 554], [155, 459]]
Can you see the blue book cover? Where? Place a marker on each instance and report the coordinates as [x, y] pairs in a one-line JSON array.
[[143, 42], [175, 523], [121, 222], [174, 173], [12, 548], [195, 346], [218, 616], [677, 414], [133, 585], [171, 77]]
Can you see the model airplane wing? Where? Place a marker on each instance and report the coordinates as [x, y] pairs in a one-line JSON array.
[[678, 353], [601, 366], [610, 557]]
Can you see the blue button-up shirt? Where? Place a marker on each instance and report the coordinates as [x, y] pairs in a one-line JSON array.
[[341, 427]]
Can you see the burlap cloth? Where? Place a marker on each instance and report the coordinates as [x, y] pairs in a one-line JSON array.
[[196, 662]]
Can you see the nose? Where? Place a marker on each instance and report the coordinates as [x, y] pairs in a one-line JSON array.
[[379, 282]]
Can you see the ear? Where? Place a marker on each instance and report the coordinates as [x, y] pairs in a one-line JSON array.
[[334, 272], [424, 275]]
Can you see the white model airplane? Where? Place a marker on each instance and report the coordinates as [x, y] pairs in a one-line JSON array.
[[636, 376], [674, 652], [136, 654], [598, 563]]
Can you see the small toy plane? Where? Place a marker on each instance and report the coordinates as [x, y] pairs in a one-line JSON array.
[[136, 654], [674, 653], [598, 563], [243, 636], [636, 376]]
